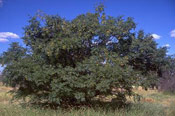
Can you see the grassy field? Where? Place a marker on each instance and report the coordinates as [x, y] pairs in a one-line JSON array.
[[154, 103]]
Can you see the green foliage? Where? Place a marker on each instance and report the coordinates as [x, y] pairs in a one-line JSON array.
[[71, 62], [145, 57], [167, 82], [14, 53]]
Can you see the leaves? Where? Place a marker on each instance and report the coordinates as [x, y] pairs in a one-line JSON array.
[[75, 61]]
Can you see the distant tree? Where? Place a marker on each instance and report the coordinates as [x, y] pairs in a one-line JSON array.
[[8, 59], [145, 57], [14, 53], [167, 82], [1, 77]]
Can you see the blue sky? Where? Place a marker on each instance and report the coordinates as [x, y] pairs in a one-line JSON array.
[[153, 16]]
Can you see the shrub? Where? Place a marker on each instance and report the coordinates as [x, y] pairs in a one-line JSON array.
[[1, 78], [167, 83]]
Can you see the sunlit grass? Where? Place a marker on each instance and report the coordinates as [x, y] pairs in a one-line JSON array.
[[135, 110], [156, 97], [154, 103]]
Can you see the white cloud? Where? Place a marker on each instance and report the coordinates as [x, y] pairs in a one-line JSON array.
[[4, 40], [8, 35], [4, 36], [155, 36], [166, 45], [172, 33], [0, 2]]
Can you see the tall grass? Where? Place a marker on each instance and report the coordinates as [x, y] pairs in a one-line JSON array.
[[158, 106], [171, 110], [139, 109]]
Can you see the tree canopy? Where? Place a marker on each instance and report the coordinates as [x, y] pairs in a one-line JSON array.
[[74, 61]]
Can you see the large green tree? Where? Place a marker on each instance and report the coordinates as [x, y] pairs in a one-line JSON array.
[[74, 61]]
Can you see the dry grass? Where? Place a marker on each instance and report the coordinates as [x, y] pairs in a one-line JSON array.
[[156, 97], [154, 103], [4, 95]]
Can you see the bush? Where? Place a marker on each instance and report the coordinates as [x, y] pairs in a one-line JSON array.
[[47, 84], [1, 78], [167, 83]]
